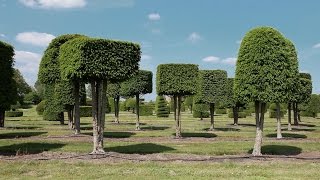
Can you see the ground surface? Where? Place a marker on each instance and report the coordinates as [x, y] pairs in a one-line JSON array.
[[33, 148]]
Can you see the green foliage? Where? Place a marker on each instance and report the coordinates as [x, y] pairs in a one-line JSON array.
[[141, 83], [33, 97], [49, 71], [8, 90], [39, 89], [85, 111], [211, 86], [14, 113], [313, 107], [273, 114], [131, 103], [265, 47], [145, 110], [221, 111], [161, 107], [229, 100], [200, 109], [189, 102], [240, 114], [177, 79], [40, 107], [304, 88], [113, 90], [305, 76], [122, 106], [23, 87], [88, 58], [52, 108]]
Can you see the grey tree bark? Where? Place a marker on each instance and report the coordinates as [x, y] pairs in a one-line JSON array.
[[289, 117], [76, 107], [70, 117], [211, 116], [279, 135], [177, 104], [137, 113], [98, 114], [259, 111]]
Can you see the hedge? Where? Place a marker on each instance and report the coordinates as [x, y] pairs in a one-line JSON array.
[[141, 83], [240, 114], [221, 111], [273, 114], [161, 107], [85, 111], [197, 114], [40, 108], [14, 113], [145, 110]]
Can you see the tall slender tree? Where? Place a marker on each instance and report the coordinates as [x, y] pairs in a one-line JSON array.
[[264, 73], [177, 80], [8, 88]]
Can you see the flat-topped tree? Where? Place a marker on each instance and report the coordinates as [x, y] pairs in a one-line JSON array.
[[302, 94], [177, 80], [211, 89], [98, 61], [263, 73], [139, 84], [49, 76], [8, 90], [113, 91]]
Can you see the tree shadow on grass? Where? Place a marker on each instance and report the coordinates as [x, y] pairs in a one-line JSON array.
[[143, 148], [307, 125], [13, 135], [24, 127], [298, 129], [28, 148], [155, 128], [279, 150], [126, 123], [222, 129], [288, 135], [244, 125], [203, 135], [115, 134], [86, 128]]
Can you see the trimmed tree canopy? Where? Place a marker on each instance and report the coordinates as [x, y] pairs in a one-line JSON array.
[[177, 79], [88, 58], [230, 100], [141, 83], [49, 70], [304, 88], [8, 89], [211, 86], [264, 71], [113, 90]]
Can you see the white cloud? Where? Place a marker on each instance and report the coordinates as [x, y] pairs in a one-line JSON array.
[[54, 4], [194, 37], [2, 35], [212, 59], [35, 38], [229, 61], [28, 64], [146, 57], [154, 17], [316, 46]]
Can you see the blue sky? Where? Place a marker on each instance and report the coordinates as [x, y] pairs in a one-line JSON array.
[[205, 32]]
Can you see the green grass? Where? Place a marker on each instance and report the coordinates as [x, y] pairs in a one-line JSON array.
[[32, 135]]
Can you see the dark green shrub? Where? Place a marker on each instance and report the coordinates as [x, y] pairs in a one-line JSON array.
[[14, 113], [122, 106], [15, 106], [240, 114], [40, 108], [306, 114], [161, 107], [146, 110], [198, 114], [273, 110], [273, 114], [85, 111], [221, 111]]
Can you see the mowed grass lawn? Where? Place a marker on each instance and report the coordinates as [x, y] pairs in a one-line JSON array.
[[32, 135]]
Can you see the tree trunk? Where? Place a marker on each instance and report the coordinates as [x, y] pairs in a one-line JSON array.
[[98, 114], [279, 135], [76, 107], [137, 113], [61, 117], [191, 109], [235, 115], [259, 111], [289, 117], [116, 109], [201, 116], [2, 116], [211, 116], [177, 115], [295, 114], [70, 117]]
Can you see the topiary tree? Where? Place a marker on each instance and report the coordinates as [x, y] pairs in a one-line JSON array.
[[230, 101], [23, 87], [8, 90], [98, 61], [189, 102], [113, 91], [177, 80], [49, 76], [140, 84], [161, 107], [313, 106], [264, 73], [211, 89], [200, 111]]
